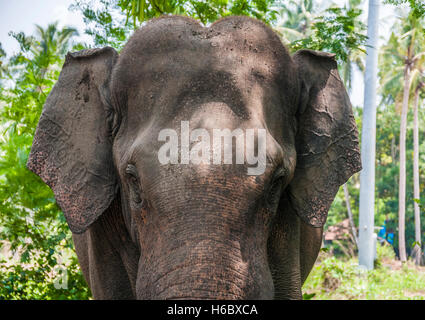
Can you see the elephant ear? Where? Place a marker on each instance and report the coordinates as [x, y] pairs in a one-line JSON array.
[[327, 138], [72, 147]]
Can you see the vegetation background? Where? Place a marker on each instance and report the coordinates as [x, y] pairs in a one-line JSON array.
[[37, 260]]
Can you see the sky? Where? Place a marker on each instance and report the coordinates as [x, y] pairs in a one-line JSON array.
[[22, 15]]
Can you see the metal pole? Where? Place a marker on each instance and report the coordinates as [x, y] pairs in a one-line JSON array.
[[367, 175]]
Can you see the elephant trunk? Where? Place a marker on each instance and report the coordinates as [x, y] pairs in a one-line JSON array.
[[204, 235], [208, 269], [204, 249]]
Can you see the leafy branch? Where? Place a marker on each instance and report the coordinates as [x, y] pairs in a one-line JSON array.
[[338, 31]]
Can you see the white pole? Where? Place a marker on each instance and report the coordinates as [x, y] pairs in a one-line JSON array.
[[367, 175]]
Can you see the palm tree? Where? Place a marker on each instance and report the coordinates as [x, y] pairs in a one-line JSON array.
[[416, 192], [417, 87], [409, 65], [296, 17], [402, 144], [52, 40], [418, 80], [48, 47], [36, 67]]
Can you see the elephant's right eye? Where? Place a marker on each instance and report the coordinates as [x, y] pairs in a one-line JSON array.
[[133, 184], [275, 188]]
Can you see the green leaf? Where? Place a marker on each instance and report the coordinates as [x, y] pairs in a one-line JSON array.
[[308, 296]]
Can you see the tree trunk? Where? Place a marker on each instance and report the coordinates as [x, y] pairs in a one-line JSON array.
[[350, 214], [417, 254], [402, 174]]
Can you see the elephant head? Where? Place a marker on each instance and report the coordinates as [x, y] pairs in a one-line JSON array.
[[200, 229]]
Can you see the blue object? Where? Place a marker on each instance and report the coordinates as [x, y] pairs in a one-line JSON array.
[[390, 238], [382, 232]]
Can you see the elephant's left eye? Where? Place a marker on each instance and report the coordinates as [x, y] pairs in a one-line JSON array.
[[275, 189], [133, 184]]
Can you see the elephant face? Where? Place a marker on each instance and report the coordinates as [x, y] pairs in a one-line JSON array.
[[204, 229]]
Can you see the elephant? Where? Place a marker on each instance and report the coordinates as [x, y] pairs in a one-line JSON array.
[[184, 230]]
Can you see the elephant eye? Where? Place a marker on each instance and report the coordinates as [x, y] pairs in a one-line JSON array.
[[133, 183], [275, 189]]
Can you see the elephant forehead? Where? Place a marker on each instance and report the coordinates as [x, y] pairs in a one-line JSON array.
[[174, 63], [175, 45], [168, 34]]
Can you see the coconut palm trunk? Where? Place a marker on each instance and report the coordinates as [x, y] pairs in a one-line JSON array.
[[402, 174], [417, 254]]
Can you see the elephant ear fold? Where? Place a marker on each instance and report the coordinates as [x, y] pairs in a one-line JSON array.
[[72, 147], [327, 139]]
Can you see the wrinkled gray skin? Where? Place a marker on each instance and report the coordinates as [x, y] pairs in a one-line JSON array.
[[150, 231]]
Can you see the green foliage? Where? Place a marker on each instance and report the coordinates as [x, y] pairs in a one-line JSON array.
[[384, 253], [336, 279], [35, 275], [204, 11], [105, 22], [338, 31], [110, 22], [31, 224], [308, 296]]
